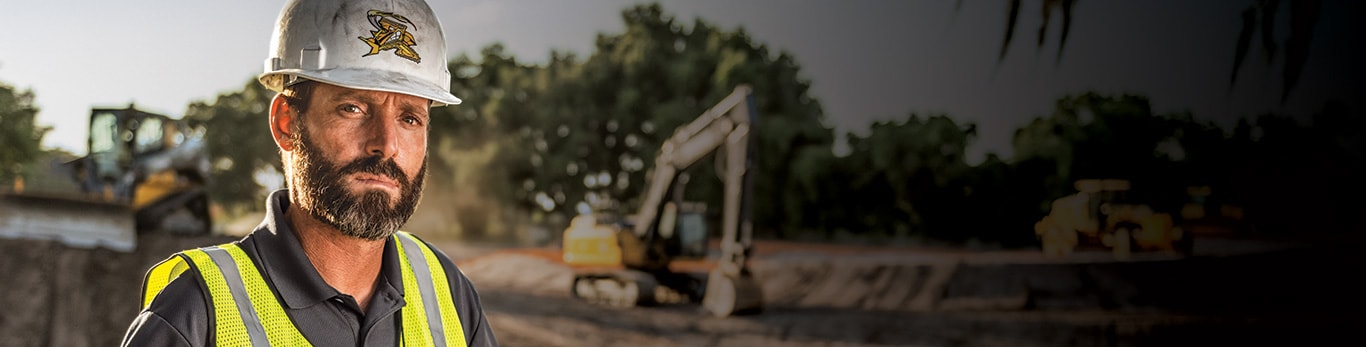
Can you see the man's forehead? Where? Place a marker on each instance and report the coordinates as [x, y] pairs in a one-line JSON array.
[[333, 93]]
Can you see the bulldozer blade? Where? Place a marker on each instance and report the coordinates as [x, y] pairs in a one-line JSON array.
[[73, 221]]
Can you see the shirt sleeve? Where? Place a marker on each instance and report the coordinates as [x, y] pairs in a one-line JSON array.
[[480, 334], [178, 316], [467, 304], [149, 329]]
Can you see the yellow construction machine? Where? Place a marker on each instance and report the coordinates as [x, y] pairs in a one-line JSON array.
[[631, 260], [1102, 214], [143, 172]]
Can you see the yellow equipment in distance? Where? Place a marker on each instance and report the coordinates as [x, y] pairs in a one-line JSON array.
[[1101, 214]]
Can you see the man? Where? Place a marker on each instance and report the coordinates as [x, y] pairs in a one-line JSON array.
[[328, 266]]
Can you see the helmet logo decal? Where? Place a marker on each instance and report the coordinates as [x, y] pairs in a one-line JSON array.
[[391, 33]]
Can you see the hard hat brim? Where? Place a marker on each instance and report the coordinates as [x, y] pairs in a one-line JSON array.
[[364, 79]]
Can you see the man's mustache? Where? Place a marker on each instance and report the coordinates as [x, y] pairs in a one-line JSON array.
[[375, 165]]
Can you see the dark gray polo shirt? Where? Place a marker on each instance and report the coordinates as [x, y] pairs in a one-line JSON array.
[[180, 315]]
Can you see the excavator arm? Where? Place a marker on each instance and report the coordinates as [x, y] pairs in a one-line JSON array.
[[725, 127]]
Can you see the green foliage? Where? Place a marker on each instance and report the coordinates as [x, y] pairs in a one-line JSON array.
[[239, 143], [1094, 136], [1302, 177], [919, 171], [533, 141], [20, 136], [588, 131], [908, 179]]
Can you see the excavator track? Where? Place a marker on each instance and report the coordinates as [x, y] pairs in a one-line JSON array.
[[630, 288]]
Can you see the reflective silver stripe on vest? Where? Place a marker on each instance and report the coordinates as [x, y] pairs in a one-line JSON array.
[[239, 294], [424, 283]]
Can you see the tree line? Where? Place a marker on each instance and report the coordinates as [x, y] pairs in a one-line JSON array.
[[534, 142]]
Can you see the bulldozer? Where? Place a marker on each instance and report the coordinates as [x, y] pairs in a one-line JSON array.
[[1104, 215], [143, 172], [627, 260]]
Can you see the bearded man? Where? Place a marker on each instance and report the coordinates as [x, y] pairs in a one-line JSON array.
[[328, 265]]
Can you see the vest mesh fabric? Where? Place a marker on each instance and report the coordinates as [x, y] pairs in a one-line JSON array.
[[279, 329], [230, 329]]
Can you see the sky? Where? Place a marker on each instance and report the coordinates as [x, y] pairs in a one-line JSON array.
[[867, 60]]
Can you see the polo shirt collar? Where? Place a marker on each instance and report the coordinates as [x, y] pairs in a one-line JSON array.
[[287, 267]]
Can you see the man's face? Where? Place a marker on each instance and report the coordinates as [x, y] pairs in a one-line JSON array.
[[359, 159]]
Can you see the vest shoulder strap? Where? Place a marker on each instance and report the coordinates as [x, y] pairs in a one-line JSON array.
[[429, 315], [245, 309], [161, 275]]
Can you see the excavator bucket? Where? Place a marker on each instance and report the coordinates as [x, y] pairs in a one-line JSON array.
[[728, 295], [73, 221]]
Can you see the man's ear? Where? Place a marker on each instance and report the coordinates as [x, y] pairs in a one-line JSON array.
[[282, 125]]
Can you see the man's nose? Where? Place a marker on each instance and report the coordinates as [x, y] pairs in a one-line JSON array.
[[383, 136]]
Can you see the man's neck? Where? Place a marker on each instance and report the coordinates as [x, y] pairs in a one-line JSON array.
[[349, 264]]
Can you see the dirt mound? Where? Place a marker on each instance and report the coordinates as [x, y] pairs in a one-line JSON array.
[[524, 272]]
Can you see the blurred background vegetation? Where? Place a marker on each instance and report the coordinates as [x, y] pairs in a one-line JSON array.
[[534, 144]]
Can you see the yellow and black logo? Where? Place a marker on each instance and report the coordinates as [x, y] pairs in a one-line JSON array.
[[391, 32]]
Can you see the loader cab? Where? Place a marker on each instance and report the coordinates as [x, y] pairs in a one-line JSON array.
[[110, 154], [1102, 195], [120, 140]]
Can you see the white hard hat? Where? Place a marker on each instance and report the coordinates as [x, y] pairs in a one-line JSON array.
[[385, 45]]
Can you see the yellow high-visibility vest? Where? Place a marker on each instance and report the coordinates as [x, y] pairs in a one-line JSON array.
[[246, 312]]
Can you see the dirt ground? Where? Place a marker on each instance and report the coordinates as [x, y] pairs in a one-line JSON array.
[[1233, 292]]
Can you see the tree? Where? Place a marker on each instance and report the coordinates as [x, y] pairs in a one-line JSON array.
[[239, 144], [20, 136], [911, 178], [587, 131], [1301, 178], [1095, 136], [477, 160]]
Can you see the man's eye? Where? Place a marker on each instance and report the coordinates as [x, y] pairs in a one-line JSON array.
[[350, 109], [411, 120]]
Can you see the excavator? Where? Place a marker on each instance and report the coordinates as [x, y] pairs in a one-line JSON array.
[[630, 260], [143, 172]]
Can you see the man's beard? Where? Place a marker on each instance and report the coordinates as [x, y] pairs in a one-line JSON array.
[[318, 187]]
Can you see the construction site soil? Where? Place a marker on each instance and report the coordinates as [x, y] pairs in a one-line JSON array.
[[1229, 292]]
